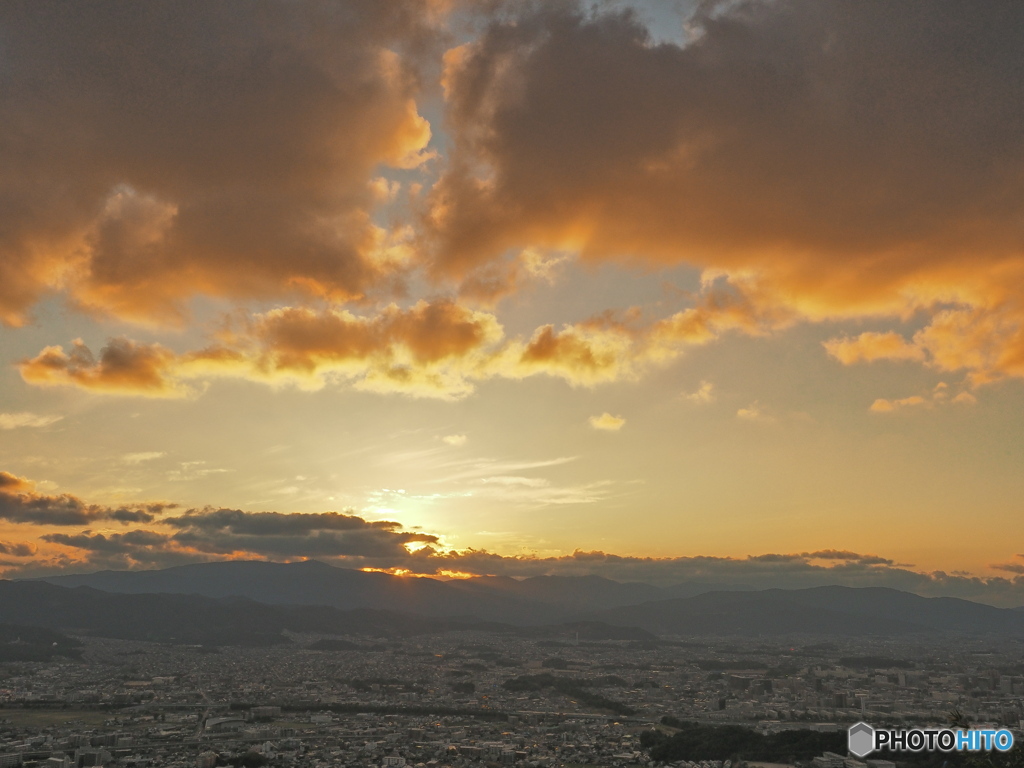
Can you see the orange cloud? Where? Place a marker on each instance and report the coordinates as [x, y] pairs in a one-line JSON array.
[[613, 347], [578, 354], [881, 405], [246, 158], [124, 367], [432, 349], [429, 349], [727, 152], [986, 343], [989, 344], [212, 149], [13, 484], [938, 396], [873, 346], [752, 152]]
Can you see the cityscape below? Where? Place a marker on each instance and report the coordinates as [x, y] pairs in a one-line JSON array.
[[94, 677]]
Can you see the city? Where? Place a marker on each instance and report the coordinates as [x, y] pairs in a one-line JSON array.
[[461, 699]]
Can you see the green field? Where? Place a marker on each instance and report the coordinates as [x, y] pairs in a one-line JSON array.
[[43, 718]]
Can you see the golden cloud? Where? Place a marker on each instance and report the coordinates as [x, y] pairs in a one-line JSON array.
[[834, 162], [881, 405], [938, 396], [819, 162], [873, 346], [124, 367], [429, 349], [218, 149], [434, 348], [986, 343]]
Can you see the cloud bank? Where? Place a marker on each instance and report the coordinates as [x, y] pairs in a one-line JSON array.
[[162, 535], [161, 151], [820, 160]]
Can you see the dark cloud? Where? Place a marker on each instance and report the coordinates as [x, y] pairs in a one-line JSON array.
[[350, 541], [115, 543], [17, 548], [1016, 568], [21, 503], [831, 158], [216, 533], [138, 549], [818, 158], [157, 151], [847, 556], [823, 128], [237, 522], [325, 534]]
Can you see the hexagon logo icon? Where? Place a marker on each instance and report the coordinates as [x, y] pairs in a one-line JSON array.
[[860, 739]]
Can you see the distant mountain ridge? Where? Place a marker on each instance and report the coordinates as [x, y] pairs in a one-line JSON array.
[[198, 620], [537, 600], [817, 610], [683, 610]]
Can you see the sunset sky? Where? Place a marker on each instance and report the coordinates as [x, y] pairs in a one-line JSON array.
[[728, 291]]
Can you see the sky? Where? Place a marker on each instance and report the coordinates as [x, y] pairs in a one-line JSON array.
[[720, 291]]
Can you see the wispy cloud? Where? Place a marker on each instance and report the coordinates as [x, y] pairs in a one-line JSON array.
[[467, 469], [142, 456], [26, 419], [538, 492]]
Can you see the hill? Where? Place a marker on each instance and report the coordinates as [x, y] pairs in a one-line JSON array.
[[537, 600], [200, 620], [818, 611]]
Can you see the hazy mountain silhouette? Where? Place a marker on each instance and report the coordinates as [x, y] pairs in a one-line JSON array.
[[195, 619], [305, 583], [535, 600], [316, 597], [199, 619], [819, 610]]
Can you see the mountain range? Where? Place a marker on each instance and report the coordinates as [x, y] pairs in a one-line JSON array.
[[831, 610], [256, 602], [537, 600], [198, 620]]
